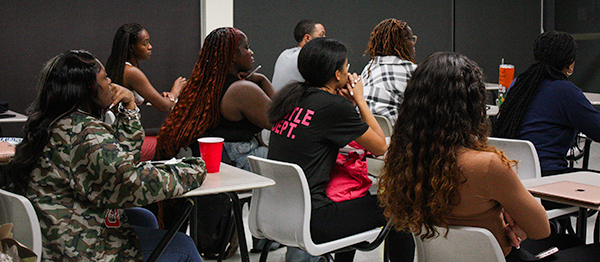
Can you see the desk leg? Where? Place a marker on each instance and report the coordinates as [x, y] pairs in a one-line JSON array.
[[586, 153], [239, 224], [582, 223], [164, 242], [194, 223]]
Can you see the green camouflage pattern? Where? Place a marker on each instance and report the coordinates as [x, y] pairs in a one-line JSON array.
[[89, 168]]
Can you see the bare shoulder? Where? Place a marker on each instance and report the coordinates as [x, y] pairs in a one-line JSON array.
[[133, 76], [244, 88], [483, 162]]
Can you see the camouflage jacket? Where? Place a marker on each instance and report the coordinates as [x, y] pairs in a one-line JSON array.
[[87, 173]]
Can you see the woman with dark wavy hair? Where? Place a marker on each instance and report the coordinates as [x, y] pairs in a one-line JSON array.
[[439, 170], [81, 173]]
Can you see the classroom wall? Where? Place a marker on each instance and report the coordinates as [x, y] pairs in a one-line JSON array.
[[34, 31], [486, 31]]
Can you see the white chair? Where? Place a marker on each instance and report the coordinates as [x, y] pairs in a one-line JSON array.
[[265, 134], [524, 152], [282, 212], [386, 124], [462, 244], [18, 210]]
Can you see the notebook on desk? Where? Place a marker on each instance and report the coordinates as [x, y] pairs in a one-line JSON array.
[[570, 191]]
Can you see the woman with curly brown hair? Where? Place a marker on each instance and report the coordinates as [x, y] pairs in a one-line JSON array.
[[392, 52], [439, 170]]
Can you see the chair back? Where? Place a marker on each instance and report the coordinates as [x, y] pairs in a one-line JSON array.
[[462, 244], [386, 124], [280, 212], [17, 209], [522, 151]]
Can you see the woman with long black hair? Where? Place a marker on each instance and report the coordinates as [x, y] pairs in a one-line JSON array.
[[311, 121], [81, 173]]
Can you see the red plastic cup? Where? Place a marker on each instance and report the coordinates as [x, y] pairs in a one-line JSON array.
[[210, 151]]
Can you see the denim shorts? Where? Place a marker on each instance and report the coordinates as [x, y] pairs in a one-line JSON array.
[[239, 152]]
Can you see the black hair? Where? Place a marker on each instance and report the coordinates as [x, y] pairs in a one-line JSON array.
[[553, 52], [126, 36], [67, 83], [318, 61], [306, 26]]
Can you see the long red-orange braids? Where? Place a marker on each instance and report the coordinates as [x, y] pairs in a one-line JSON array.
[[198, 108]]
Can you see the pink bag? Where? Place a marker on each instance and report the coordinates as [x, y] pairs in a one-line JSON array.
[[350, 177]]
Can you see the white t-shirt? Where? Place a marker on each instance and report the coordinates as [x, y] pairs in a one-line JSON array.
[[286, 68]]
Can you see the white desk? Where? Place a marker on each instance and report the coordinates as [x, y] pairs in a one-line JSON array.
[[17, 118], [583, 177], [228, 180], [593, 97], [492, 86]]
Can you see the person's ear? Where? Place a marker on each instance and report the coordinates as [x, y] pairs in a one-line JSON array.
[[307, 38], [339, 75]]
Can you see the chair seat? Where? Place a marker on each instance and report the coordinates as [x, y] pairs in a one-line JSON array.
[[329, 247]]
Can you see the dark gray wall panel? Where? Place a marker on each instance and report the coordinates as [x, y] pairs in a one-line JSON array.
[[487, 31], [269, 25], [34, 31], [582, 19]]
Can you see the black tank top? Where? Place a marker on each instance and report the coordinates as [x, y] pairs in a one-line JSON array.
[[233, 131]]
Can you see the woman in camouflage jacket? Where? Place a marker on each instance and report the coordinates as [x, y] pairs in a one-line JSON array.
[[80, 173]]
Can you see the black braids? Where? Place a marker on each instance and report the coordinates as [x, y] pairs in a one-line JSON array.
[[553, 52]]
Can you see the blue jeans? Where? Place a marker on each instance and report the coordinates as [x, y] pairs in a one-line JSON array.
[[181, 248], [239, 152]]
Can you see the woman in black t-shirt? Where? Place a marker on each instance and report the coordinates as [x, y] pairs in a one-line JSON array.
[[311, 121]]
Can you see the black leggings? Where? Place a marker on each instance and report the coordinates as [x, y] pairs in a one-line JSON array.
[[571, 248], [342, 219]]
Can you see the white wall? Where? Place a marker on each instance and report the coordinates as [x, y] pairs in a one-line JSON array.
[[215, 14]]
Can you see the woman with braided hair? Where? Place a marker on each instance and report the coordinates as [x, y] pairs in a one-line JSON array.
[[542, 106], [392, 51], [219, 101]]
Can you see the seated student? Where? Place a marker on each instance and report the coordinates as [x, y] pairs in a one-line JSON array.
[[80, 173], [219, 101], [130, 45], [311, 121], [286, 66], [439, 170], [542, 106], [392, 52]]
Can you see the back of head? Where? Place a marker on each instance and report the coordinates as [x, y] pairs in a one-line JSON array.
[[553, 51], [304, 27], [443, 110], [389, 38], [318, 61], [125, 37], [67, 82], [198, 108], [557, 49]]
